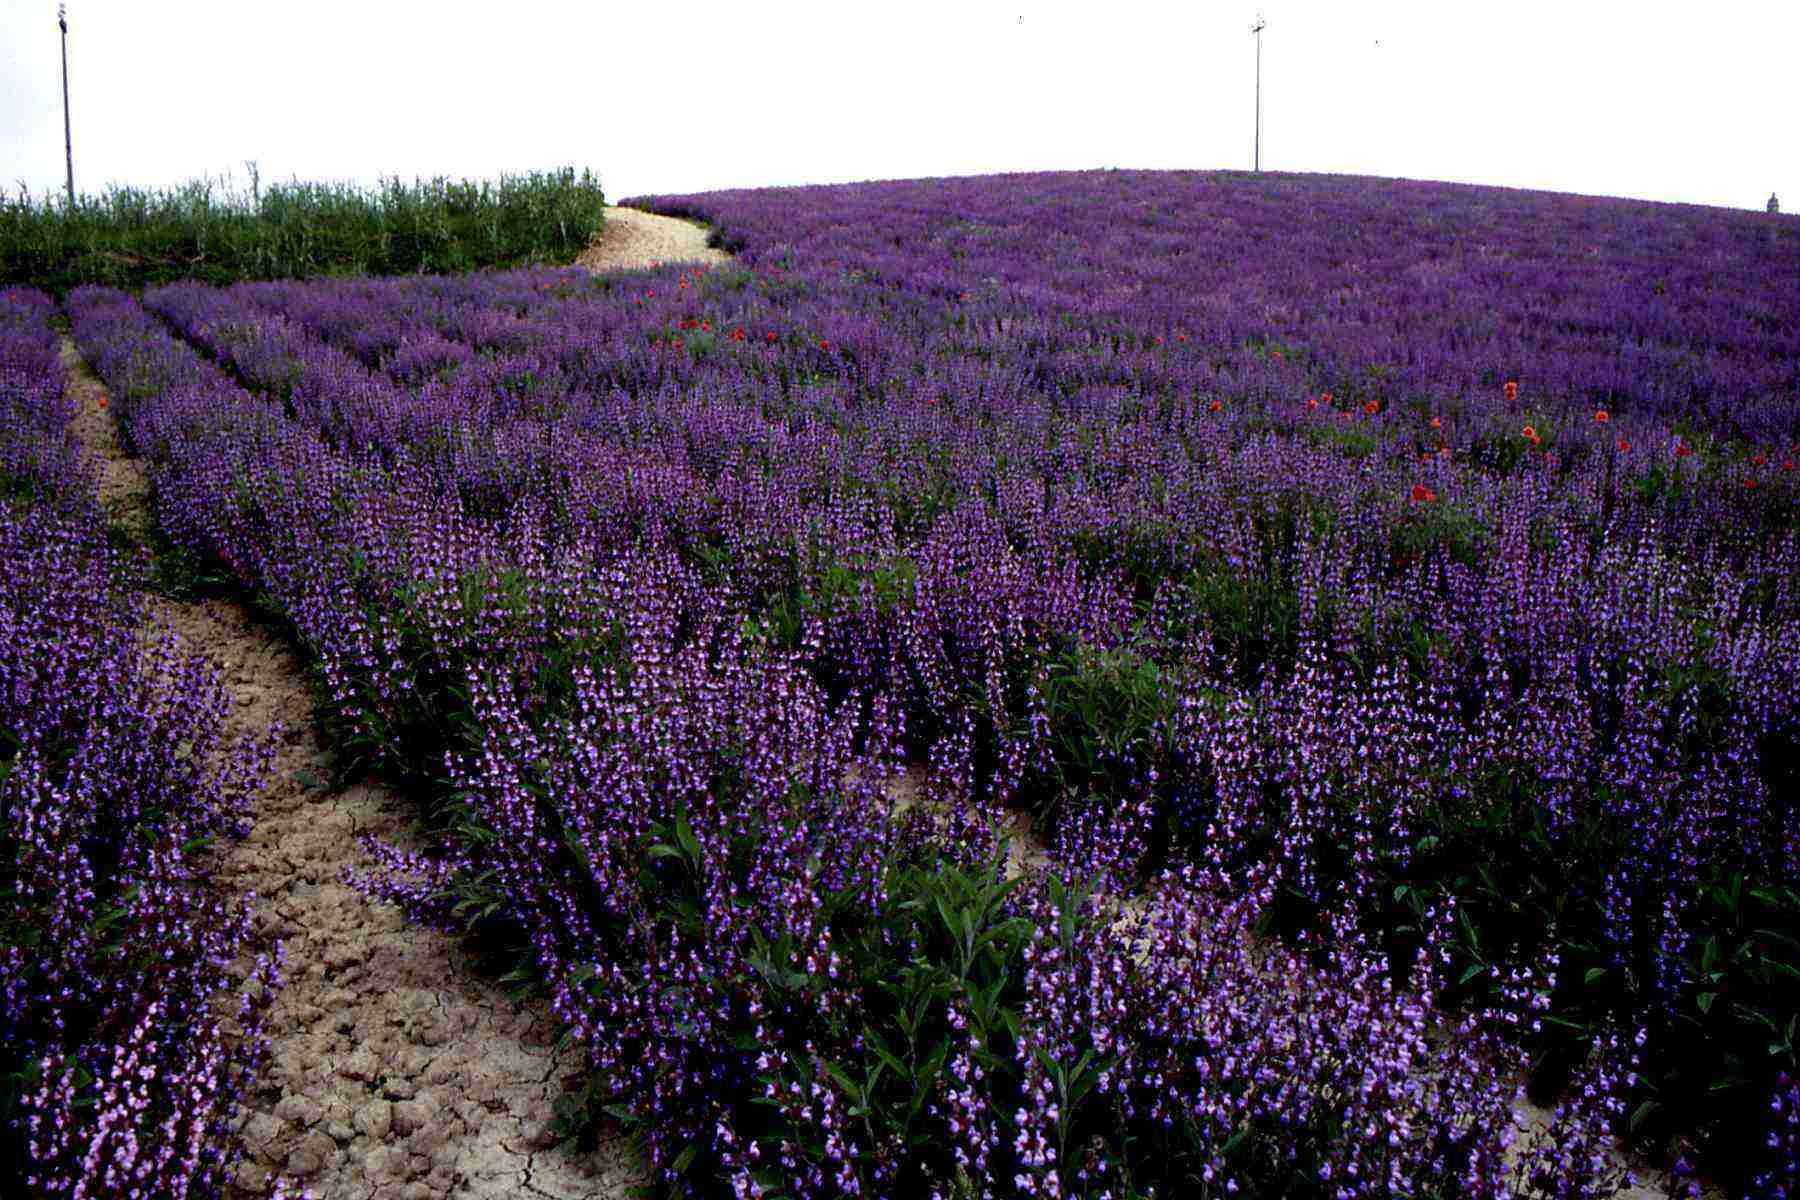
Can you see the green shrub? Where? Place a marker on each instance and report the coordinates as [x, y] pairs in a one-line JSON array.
[[1108, 712], [133, 238]]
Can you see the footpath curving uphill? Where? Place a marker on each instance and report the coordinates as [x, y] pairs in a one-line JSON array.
[[132, 1009], [632, 238], [392, 1071]]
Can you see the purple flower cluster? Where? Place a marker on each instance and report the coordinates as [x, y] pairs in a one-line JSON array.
[[38, 460], [130, 1011], [1408, 572], [1783, 1176]]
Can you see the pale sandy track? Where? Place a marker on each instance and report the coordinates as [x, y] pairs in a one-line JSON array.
[[632, 239], [394, 1073]]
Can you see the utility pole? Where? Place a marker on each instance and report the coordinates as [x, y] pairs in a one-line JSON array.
[[62, 21], [1257, 30]]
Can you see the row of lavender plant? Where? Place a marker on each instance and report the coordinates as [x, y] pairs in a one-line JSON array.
[[39, 462], [1372, 287], [1591, 399], [1138, 556], [130, 1011], [658, 796]]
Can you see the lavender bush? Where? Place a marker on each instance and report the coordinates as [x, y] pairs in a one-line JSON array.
[[130, 1030], [39, 463], [1395, 582]]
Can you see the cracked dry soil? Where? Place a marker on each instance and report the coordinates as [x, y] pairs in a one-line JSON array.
[[393, 1074]]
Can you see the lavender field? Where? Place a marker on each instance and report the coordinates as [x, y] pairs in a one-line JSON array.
[[1378, 601]]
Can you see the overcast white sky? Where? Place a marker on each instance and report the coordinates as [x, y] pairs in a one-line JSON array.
[[1689, 102]]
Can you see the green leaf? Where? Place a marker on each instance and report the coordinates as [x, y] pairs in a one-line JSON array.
[[873, 1041], [1781, 968], [684, 834], [933, 1064], [1705, 1001], [950, 919], [1469, 929], [1594, 975], [842, 1079]]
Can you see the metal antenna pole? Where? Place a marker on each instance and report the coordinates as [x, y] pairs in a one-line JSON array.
[[1257, 30], [62, 21]]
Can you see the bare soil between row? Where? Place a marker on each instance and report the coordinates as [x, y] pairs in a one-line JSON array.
[[394, 1073]]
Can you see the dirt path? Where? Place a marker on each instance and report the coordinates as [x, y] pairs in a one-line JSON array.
[[631, 238], [394, 1073]]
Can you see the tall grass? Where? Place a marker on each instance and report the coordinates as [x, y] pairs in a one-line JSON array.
[[208, 230]]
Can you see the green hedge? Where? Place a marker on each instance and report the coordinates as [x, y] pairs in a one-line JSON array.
[[133, 238]]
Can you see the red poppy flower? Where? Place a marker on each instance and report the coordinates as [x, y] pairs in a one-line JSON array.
[[1759, 459], [1216, 406], [1325, 397], [1531, 435], [1421, 493], [1624, 445], [1788, 465], [1437, 423], [1749, 483], [1684, 451], [1181, 337], [1372, 407], [770, 336], [102, 402], [824, 345], [706, 325], [1602, 416], [1512, 389], [1159, 341], [1278, 355], [1443, 452]]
